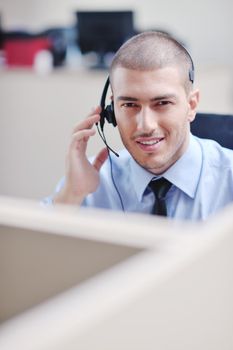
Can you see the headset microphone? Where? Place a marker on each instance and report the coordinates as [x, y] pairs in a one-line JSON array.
[[105, 142], [108, 114]]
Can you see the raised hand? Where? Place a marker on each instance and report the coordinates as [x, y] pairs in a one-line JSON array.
[[82, 177]]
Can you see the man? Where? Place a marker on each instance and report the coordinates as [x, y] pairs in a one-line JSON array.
[[154, 102]]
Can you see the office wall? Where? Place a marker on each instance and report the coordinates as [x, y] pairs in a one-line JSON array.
[[206, 26], [38, 114]]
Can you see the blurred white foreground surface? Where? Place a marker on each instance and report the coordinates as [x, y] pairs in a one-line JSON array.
[[85, 279]]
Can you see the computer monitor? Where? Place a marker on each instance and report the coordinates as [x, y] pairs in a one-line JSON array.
[[103, 32]]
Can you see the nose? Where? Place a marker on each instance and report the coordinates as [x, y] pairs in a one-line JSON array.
[[147, 120]]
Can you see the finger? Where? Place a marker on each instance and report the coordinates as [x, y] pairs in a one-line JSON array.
[[87, 123], [100, 159], [82, 135], [92, 118], [95, 110]]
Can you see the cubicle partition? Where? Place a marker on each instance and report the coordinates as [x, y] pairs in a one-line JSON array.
[[90, 279]]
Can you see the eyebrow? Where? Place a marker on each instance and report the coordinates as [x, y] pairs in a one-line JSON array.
[[126, 98], [157, 98]]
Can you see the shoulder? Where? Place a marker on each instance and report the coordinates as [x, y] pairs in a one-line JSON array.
[[215, 155]]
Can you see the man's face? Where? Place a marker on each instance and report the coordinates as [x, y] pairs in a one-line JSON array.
[[153, 112]]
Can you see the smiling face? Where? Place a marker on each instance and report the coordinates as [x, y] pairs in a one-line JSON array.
[[153, 113]]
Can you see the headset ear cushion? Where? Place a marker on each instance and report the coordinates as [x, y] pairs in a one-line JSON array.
[[110, 115]]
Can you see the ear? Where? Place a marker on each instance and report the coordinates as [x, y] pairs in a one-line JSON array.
[[193, 101]]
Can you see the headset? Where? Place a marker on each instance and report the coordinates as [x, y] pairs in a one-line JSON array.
[[107, 112]]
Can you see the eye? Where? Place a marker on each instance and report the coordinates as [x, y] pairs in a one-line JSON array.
[[163, 103], [129, 105]]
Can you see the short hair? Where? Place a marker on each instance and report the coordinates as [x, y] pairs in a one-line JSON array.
[[153, 50]]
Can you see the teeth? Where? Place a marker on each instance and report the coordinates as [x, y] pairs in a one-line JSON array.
[[149, 142]]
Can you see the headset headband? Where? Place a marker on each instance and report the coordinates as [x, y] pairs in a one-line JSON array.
[[104, 94]]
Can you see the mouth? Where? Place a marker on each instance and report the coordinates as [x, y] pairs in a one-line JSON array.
[[149, 145]]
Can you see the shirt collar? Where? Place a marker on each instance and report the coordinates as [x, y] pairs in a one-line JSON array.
[[184, 174]]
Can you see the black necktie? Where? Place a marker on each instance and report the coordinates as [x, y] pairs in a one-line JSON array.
[[160, 188]]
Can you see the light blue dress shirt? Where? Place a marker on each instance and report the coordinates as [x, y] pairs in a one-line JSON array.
[[202, 183]]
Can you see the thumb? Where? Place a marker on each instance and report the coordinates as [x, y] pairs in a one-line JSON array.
[[100, 159]]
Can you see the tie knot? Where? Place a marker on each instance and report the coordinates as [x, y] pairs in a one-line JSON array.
[[160, 187]]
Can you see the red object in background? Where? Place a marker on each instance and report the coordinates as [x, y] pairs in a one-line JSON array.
[[21, 52]]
